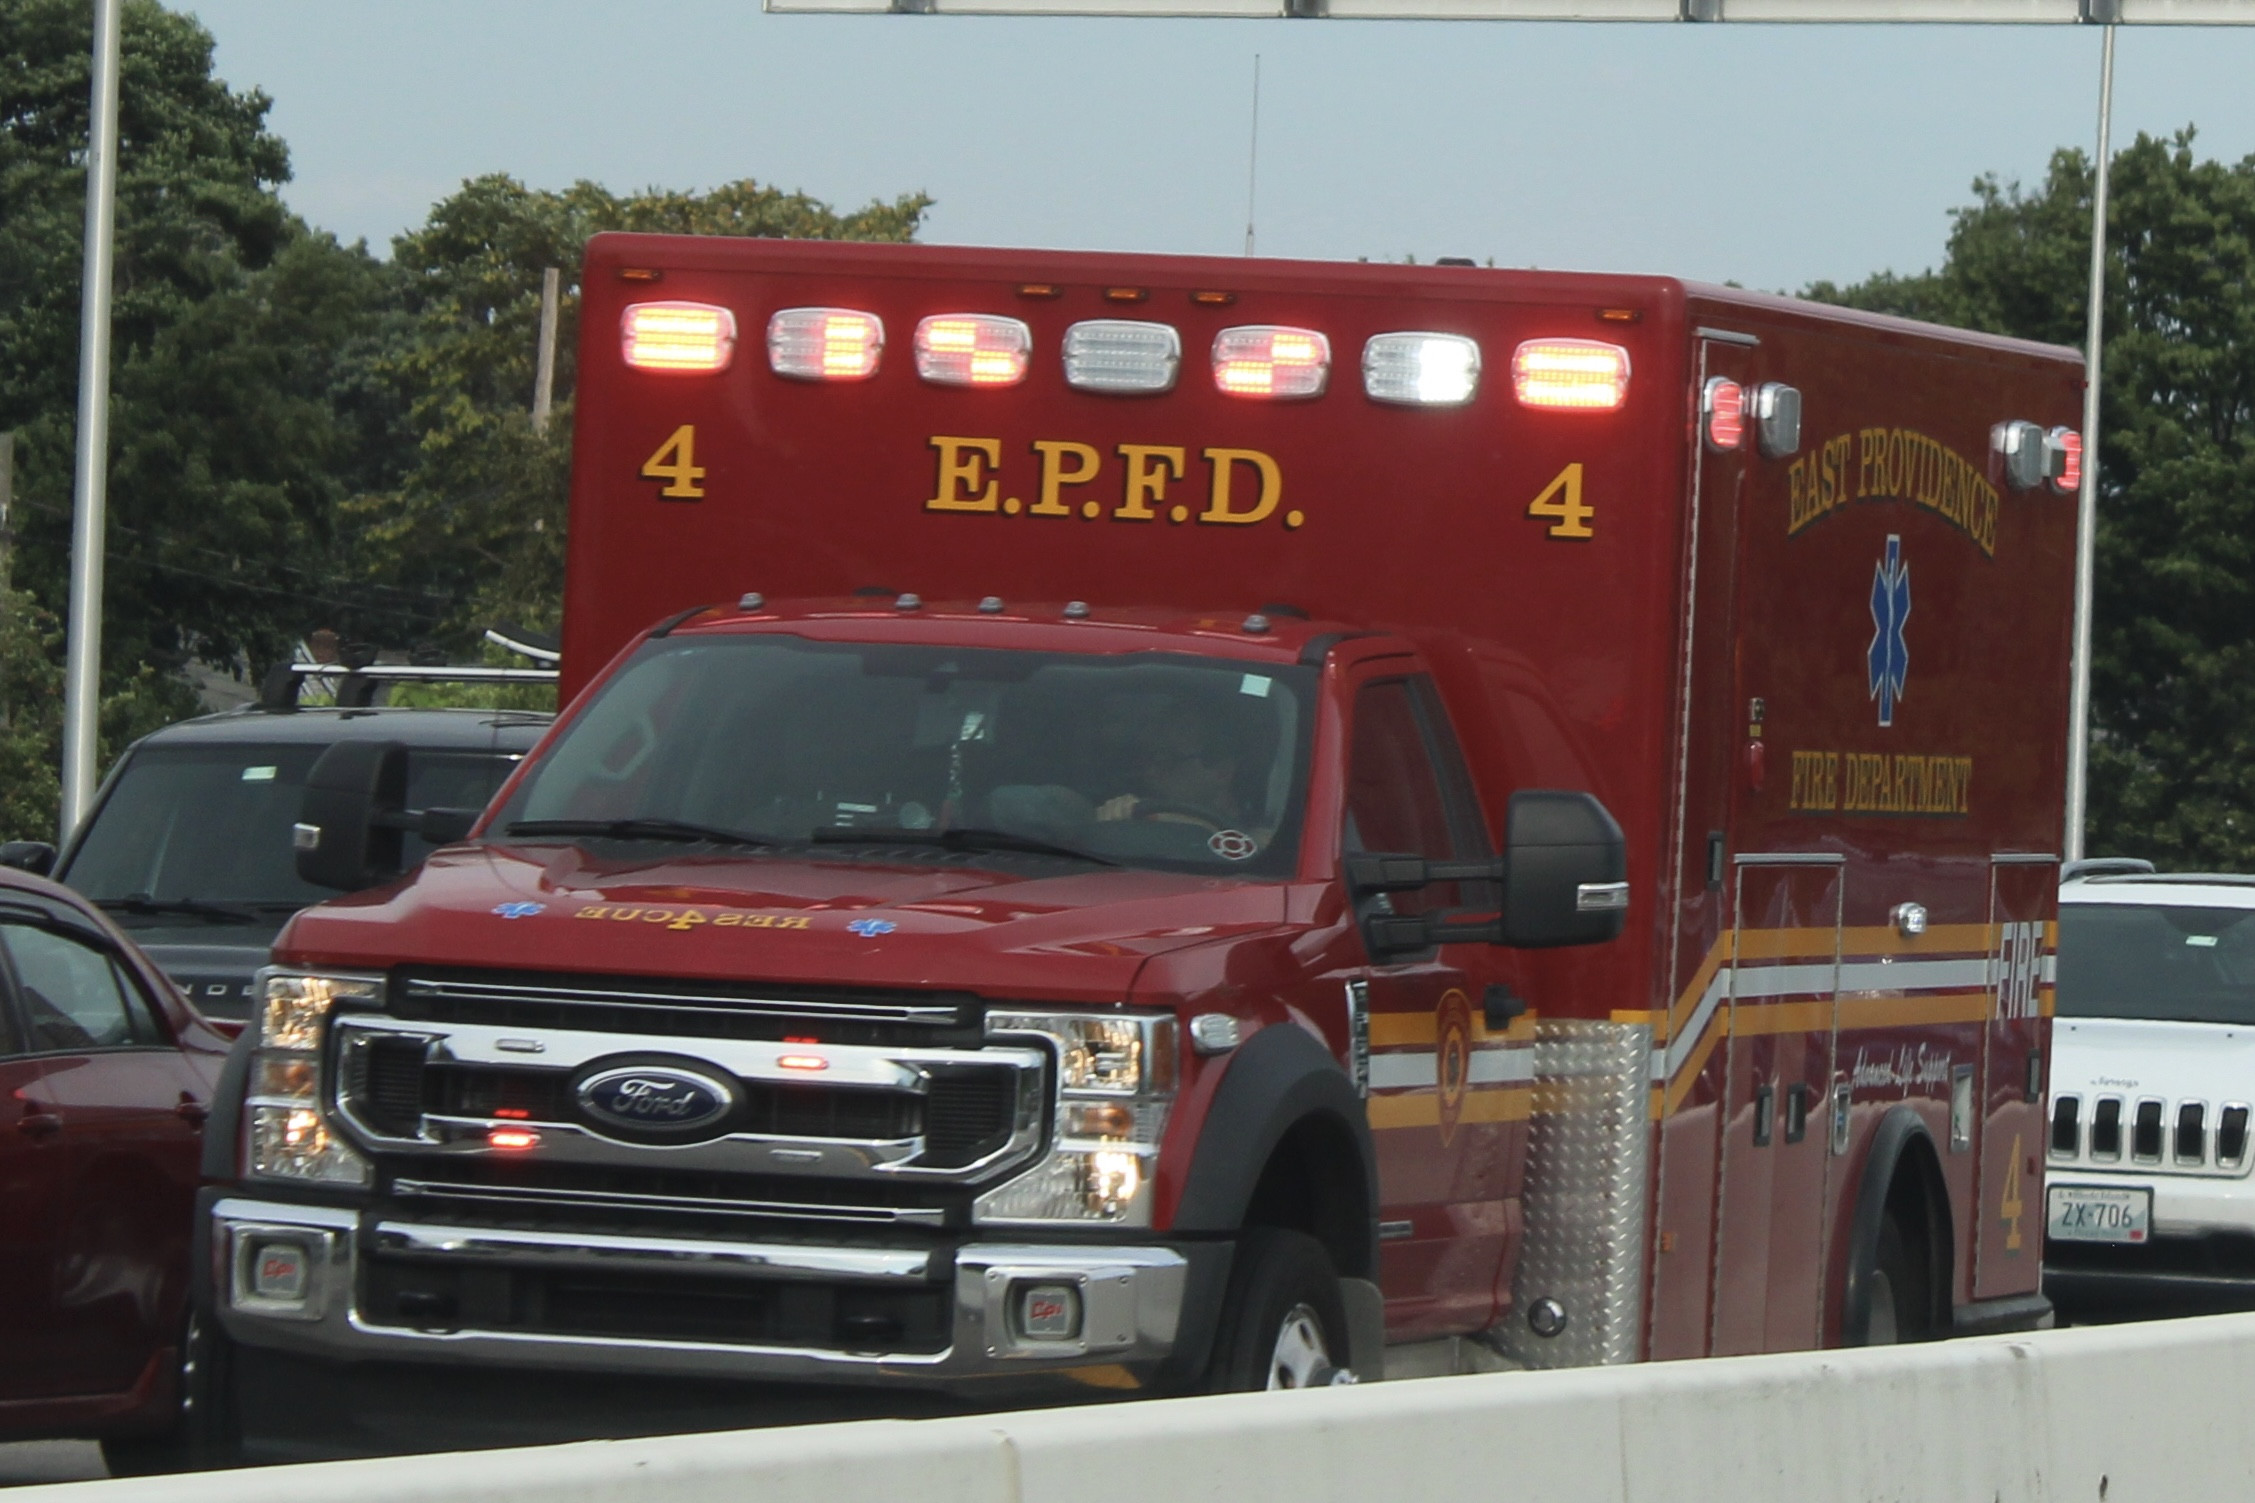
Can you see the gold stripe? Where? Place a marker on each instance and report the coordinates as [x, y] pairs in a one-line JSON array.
[[1423, 1108], [1781, 1017], [1914, 1012]]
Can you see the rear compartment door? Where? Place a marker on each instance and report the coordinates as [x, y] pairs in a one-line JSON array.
[[2023, 899]]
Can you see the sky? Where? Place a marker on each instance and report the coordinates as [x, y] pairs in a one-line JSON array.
[[1768, 155]]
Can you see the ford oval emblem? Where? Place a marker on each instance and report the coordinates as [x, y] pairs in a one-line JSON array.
[[656, 1101]]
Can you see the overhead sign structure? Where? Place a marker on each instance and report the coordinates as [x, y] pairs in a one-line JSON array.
[[1977, 12]]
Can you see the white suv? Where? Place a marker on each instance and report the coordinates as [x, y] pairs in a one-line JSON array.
[[2149, 1203]]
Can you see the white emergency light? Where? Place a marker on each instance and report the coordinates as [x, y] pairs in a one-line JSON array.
[[1777, 418], [1122, 356], [1584, 375], [694, 338], [1722, 404], [1269, 360], [1414, 369], [825, 344], [972, 349], [2025, 454]]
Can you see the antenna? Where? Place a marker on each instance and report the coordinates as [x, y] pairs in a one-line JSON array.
[[1253, 156]]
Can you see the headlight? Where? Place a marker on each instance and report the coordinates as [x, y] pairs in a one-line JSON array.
[[1115, 1078], [285, 1135]]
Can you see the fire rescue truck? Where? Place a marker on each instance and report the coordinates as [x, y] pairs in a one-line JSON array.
[[1143, 824]]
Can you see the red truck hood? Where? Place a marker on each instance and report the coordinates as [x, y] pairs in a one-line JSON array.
[[1077, 937]]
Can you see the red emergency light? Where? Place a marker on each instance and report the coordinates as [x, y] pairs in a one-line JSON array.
[[1586, 375], [689, 338], [972, 349], [802, 1062], [2067, 460], [824, 344], [1268, 360], [512, 1139], [1724, 402]]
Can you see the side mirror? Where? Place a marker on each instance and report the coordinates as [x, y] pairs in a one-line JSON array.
[[446, 826], [1566, 869], [34, 856], [349, 833]]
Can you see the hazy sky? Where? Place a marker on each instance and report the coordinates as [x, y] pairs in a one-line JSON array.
[[1769, 155]]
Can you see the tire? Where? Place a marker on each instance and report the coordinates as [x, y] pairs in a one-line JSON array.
[[1283, 1322], [1902, 1303], [203, 1435]]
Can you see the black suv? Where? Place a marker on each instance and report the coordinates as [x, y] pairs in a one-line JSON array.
[[188, 846]]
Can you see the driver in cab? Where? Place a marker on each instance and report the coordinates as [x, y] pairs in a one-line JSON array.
[[1183, 774]]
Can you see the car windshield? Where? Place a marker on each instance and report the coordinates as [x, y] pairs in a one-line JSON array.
[[2177, 965], [1141, 759], [186, 825]]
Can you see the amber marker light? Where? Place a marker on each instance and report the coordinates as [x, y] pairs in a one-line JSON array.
[[1585, 375], [687, 338]]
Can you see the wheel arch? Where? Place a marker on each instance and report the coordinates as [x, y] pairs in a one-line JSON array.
[[1902, 1172], [1286, 1143]]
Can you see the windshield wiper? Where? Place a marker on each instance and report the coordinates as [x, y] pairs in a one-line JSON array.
[[637, 829], [959, 839], [218, 913]]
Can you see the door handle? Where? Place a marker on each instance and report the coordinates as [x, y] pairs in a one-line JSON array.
[[192, 1111], [39, 1124]]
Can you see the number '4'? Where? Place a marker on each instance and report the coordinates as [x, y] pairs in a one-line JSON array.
[[1561, 501], [676, 463]]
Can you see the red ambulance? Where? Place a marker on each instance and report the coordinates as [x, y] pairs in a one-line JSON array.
[[1135, 824]]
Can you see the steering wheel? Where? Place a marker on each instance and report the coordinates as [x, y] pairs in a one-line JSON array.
[[1157, 811]]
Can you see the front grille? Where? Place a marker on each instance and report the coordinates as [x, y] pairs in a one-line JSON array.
[[390, 1087], [603, 1004], [551, 1194], [2192, 1133], [2066, 1134], [2106, 1129], [2195, 1137], [2231, 1135], [2145, 1137], [968, 1115], [644, 1306]]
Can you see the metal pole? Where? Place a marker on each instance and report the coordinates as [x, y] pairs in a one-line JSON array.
[[1253, 156], [82, 680], [7, 499], [544, 381], [2086, 518]]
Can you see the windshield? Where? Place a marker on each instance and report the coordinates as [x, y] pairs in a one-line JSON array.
[[211, 824], [1142, 759], [2177, 965]]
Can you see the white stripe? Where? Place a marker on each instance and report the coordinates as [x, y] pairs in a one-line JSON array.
[[1409, 1068], [1755, 982]]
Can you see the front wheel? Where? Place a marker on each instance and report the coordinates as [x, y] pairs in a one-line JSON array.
[[1283, 1323]]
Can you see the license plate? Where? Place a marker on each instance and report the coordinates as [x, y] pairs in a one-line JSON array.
[[2092, 1213]]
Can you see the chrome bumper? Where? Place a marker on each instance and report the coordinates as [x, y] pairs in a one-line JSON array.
[[1130, 1298]]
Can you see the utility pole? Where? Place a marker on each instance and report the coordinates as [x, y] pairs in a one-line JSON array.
[[544, 382], [2086, 509], [82, 674], [7, 499]]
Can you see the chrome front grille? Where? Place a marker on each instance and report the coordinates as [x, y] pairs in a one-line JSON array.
[[2188, 1136], [866, 1111], [675, 1009]]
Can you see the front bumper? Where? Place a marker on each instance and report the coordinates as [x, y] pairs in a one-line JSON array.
[[312, 1281], [2201, 1258]]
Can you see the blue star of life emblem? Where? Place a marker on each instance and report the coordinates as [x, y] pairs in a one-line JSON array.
[[1889, 657], [871, 928], [519, 910]]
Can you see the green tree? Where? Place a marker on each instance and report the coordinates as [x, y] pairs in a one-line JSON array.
[[2173, 658], [478, 516]]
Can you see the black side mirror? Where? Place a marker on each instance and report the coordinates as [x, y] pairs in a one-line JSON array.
[[446, 826], [1566, 869], [350, 832], [34, 856]]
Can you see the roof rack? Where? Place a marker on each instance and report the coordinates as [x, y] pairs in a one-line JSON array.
[[2106, 866], [355, 687]]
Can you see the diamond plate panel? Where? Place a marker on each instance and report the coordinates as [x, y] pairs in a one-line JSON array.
[[1587, 1173]]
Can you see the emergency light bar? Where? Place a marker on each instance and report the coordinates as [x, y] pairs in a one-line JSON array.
[[825, 344], [1421, 370], [1121, 355], [687, 337], [972, 349], [1268, 360], [1585, 375]]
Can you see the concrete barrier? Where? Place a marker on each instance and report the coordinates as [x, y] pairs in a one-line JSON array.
[[2154, 1413]]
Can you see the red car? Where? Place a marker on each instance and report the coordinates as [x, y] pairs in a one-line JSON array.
[[106, 1077]]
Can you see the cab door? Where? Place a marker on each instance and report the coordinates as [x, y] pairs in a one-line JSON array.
[[1447, 1118]]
